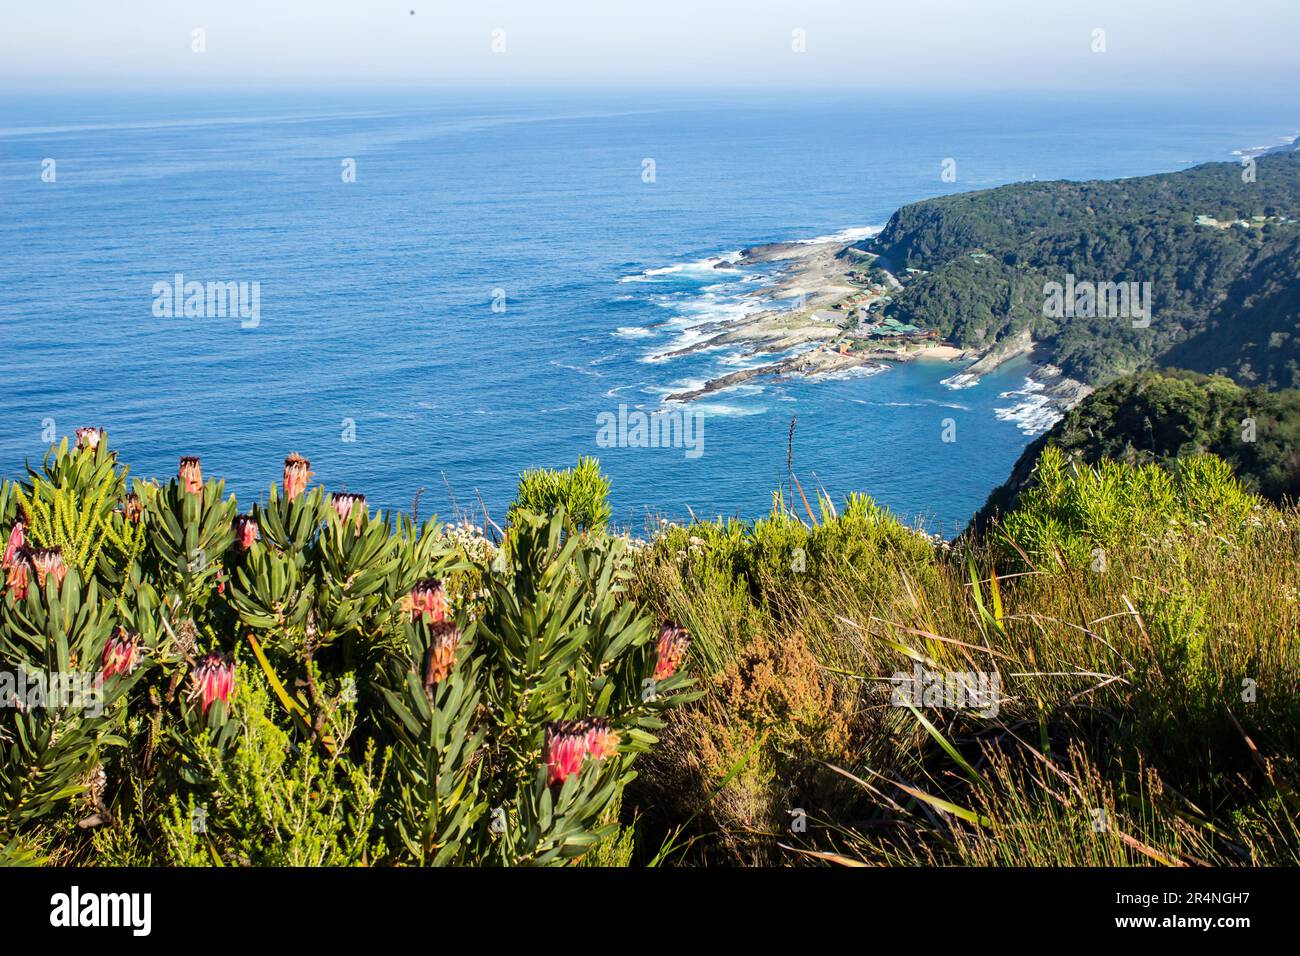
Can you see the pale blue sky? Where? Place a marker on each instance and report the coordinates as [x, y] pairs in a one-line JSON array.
[[930, 44]]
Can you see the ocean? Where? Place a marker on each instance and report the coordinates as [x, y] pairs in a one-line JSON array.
[[503, 269]]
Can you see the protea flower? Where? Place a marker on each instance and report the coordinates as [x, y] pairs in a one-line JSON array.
[[191, 475], [569, 742], [246, 532], [212, 679], [442, 653], [297, 472], [47, 561], [15, 546], [602, 740], [565, 747], [673, 641], [132, 508], [16, 579], [349, 506], [121, 653], [89, 437], [429, 598]]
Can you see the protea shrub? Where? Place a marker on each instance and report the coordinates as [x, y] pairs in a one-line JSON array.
[[509, 682]]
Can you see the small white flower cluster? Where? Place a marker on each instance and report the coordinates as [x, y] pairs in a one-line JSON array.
[[936, 540], [694, 547], [472, 539], [636, 546]]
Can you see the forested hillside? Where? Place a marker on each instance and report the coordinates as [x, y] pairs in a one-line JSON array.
[[1221, 254]]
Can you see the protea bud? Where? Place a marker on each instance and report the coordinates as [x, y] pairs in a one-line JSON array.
[[442, 653], [246, 532], [132, 508], [15, 546], [47, 561], [191, 475], [297, 472], [121, 653], [428, 598], [89, 437], [673, 641], [569, 742], [212, 679], [349, 506]]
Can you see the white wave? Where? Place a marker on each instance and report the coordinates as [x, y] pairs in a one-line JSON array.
[[633, 332], [576, 368], [926, 404], [1033, 413], [713, 264], [723, 410], [960, 380], [858, 371], [845, 235]]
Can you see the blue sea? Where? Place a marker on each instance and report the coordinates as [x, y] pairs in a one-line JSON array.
[[378, 352]]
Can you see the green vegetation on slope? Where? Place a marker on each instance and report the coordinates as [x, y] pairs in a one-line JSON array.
[[1108, 678], [1138, 629], [1162, 417]]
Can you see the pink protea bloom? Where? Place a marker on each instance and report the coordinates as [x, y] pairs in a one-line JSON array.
[[15, 546], [297, 472], [191, 475], [212, 679], [565, 747], [602, 740], [428, 598], [673, 641], [569, 742], [121, 653], [46, 562], [89, 437], [349, 506], [246, 532], [442, 653]]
